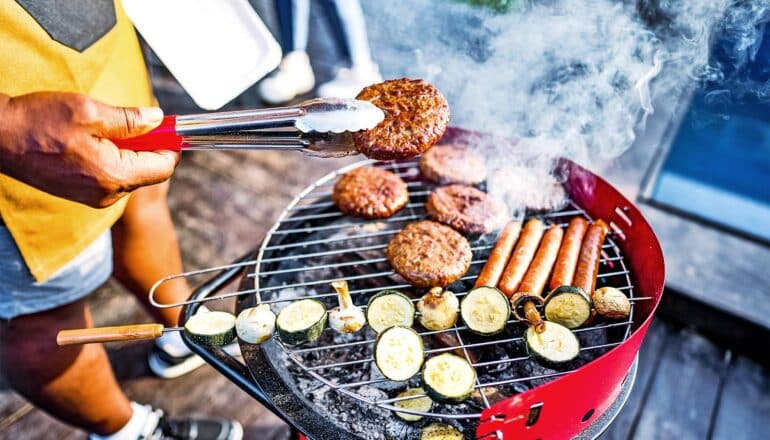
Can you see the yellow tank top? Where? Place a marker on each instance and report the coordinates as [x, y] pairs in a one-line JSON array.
[[93, 51]]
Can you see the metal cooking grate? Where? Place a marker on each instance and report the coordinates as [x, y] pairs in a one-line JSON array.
[[313, 244]]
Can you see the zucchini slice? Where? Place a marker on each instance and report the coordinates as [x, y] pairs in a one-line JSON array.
[[422, 404], [399, 353], [255, 325], [389, 308], [301, 321], [555, 346], [211, 328], [440, 431], [448, 378], [485, 310], [568, 306]]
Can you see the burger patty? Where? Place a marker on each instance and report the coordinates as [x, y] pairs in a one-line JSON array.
[[429, 254], [416, 116], [452, 164], [466, 209], [370, 193]]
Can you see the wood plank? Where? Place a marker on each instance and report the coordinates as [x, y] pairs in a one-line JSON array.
[[650, 355], [684, 390], [744, 408]]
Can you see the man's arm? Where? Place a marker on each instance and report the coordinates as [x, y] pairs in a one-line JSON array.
[[59, 143]]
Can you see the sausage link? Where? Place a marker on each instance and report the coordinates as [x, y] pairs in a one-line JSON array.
[[522, 256], [537, 275], [566, 261], [590, 256], [502, 250]]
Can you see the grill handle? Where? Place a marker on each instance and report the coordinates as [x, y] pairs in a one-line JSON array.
[[109, 334]]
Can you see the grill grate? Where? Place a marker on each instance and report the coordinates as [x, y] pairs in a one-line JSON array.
[[313, 244]]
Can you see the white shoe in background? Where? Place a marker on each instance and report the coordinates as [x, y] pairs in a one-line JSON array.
[[293, 77], [349, 82]]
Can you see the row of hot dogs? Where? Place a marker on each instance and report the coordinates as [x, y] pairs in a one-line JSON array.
[[522, 260]]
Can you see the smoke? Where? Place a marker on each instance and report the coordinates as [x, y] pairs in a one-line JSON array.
[[569, 78]]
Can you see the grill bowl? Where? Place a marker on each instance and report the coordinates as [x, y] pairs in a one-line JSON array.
[[567, 403]]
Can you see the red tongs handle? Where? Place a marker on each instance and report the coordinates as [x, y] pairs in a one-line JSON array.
[[163, 137]]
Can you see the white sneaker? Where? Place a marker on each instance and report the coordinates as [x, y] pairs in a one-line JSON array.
[[293, 77], [349, 82]]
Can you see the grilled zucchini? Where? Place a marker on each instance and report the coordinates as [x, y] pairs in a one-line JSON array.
[[301, 321], [422, 404], [440, 431], [399, 353], [389, 308], [211, 328], [485, 310], [568, 306], [448, 378], [554, 346]]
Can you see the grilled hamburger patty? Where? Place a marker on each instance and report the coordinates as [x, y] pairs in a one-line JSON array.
[[429, 254], [370, 193], [466, 209], [452, 164], [416, 116]]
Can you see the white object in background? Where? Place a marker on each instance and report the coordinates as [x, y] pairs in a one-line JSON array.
[[215, 49]]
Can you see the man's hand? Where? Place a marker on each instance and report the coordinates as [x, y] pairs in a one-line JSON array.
[[59, 143]]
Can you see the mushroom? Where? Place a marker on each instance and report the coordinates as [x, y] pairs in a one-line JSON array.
[[438, 309], [347, 318], [611, 303], [255, 325]]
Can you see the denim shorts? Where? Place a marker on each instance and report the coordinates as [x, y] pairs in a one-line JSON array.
[[20, 294]]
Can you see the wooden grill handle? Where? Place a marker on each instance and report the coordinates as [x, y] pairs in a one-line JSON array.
[[109, 334]]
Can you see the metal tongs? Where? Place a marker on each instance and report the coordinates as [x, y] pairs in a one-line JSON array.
[[319, 127]]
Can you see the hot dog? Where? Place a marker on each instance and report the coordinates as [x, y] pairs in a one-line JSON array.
[[492, 271], [522, 256], [537, 274], [590, 256], [566, 261]]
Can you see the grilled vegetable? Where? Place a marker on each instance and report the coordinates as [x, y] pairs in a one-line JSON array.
[[440, 431], [438, 309], [448, 378], [485, 310], [255, 325], [568, 306], [301, 321], [347, 318], [211, 328], [389, 308], [611, 303], [554, 346], [422, 404], [399, 353]]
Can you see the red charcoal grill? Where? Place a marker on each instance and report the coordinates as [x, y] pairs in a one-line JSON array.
[[312, 244]]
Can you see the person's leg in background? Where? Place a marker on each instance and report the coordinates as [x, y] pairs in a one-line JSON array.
[[349, 28], [294, 75], [145, 249], [74, 383]]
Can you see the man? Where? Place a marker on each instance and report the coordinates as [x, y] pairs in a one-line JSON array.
[[73, 207]]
